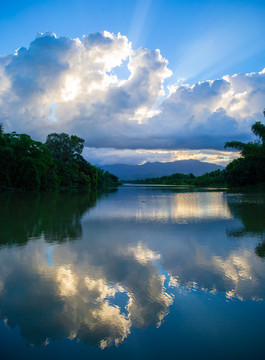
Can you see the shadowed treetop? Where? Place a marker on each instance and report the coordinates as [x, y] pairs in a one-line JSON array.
[[64, 147]]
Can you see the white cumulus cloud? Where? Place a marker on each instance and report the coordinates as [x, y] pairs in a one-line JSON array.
[[73, 86]]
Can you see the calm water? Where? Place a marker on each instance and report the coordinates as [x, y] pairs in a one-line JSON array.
[[138, 273]]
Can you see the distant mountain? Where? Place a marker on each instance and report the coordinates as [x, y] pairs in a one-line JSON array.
[[157, 169]]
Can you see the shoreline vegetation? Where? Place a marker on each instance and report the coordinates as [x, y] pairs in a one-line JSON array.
[[246, 171], [214, 178], [26, 164]]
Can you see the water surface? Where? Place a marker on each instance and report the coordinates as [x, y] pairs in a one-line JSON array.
[[140, 272]]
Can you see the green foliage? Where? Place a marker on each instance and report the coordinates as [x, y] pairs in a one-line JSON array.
[[250, 168], [72, 169], [214, 178], [26, 164], [63, 147], [106, 179], [258, 129], [87, 172], [174, 179]]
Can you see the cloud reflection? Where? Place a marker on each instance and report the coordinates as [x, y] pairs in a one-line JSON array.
[[75, 298], [121, 272]]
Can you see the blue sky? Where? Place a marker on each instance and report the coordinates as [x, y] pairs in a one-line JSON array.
[[216, 37], [201, 40]]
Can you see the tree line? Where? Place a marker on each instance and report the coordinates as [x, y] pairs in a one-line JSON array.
[[249, 169], [214, 178], [31, 165], [26, 164]]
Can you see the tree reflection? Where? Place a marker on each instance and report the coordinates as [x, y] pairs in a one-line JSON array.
[[249, 208], [53, 291], [55, 216]]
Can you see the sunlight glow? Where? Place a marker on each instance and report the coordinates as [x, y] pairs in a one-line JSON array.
[[101, 287], [67, 281], [185, 208], [104, 156], [139, 21], [71, 88], [142, 254], [143, 114], [114, 58]]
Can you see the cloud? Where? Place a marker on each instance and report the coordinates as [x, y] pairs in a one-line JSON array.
[[207, 114], [106, 156], [72, 85]]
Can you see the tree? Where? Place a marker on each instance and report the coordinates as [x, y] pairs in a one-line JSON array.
[[30, 165], [24, 163], [64, 148], [250, 168], [72, 169]]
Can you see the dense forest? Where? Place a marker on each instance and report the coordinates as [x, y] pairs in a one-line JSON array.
[[26, 164], [249, 169]]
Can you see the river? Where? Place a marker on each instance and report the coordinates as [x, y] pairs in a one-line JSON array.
[[140, 272]]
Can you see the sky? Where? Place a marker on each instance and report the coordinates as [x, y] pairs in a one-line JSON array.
[[150, 80]]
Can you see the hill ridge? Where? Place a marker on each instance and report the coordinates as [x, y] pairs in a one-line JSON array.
[[157, 169]]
